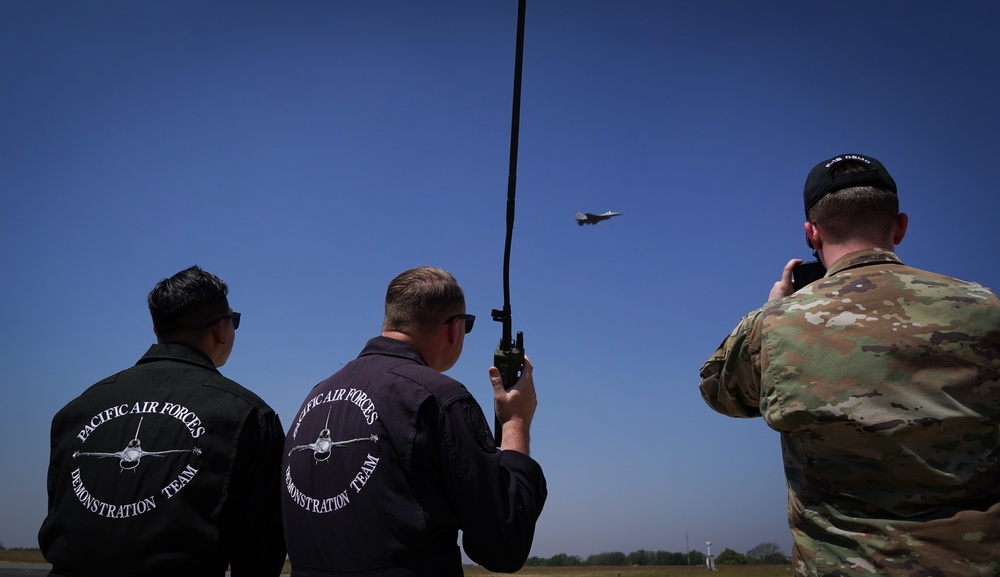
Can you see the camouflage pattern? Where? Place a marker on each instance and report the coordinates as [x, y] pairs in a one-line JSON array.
[[884, 382]]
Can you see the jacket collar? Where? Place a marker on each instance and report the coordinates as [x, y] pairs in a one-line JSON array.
[[392, 347], [177, 352], [862, 258]]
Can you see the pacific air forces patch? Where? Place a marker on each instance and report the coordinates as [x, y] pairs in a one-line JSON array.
[[477, 420]]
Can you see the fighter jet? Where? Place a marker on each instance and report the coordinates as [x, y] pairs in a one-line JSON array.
[[590, 218]]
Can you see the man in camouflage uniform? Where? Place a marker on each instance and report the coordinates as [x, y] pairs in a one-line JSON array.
[[884, 382]]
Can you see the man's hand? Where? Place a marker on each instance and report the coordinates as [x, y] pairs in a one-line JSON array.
[[784, 287], [515, 408]]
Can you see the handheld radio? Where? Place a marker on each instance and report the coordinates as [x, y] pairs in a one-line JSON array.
[[509, 356]]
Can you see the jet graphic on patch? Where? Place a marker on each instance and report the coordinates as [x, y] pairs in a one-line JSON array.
[[324, 445], [132, 454]]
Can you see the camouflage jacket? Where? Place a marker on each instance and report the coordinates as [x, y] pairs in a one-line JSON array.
[[884, 382]]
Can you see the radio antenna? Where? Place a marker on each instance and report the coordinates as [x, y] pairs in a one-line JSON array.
[[509, 356]]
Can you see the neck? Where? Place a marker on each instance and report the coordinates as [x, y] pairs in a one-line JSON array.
[[833, 253], [425, 347]]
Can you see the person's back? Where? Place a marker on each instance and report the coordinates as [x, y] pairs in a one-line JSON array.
[[168, 467], [884, 381], [388, 459]]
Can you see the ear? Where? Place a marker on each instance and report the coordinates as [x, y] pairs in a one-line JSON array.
[[219, 334], [452, 329], [899, 229], [813, 238]]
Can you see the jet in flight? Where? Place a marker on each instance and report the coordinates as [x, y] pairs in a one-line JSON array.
[[590, 218]]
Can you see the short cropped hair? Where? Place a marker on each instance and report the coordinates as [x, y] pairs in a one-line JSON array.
[[420, 299], [858, 213], [186, 303]]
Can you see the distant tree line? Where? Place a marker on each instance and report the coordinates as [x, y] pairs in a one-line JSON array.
[[763, 554], [2, 548]]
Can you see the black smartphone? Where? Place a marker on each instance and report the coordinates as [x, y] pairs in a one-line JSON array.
[[807, 272]]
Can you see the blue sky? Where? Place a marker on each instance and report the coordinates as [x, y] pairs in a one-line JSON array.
[[308, 151]]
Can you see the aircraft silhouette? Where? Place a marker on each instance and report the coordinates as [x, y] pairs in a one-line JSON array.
[[590, 218]]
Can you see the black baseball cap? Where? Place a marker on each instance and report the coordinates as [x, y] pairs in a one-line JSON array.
[[819, 183]]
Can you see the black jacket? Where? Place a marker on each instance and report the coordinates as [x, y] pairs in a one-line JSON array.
[[387, 460], [166, 468]]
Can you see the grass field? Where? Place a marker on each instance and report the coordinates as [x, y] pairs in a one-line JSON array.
[[21, 556], [733, 571], [35, 556]]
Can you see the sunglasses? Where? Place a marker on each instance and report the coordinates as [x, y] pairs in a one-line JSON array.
[[470, 320], [236, 320]]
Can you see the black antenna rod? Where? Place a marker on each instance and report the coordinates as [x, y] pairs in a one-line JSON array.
[[509, 356], [515, 124]]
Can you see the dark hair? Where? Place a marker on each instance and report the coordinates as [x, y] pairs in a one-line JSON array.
[[187, 302], [860, 212], [419, 299]]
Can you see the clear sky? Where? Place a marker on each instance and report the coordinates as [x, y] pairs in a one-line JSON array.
[[308, 151]]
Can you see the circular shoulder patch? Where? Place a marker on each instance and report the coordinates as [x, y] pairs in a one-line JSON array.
[[477, 420]]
